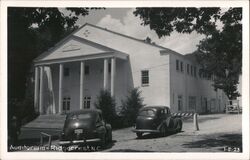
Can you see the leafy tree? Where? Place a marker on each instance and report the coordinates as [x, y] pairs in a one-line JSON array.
[[219, 53], [31, 31], [106, 103], [131, 106]]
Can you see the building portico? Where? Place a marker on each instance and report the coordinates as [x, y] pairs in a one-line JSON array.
[[108, 79]]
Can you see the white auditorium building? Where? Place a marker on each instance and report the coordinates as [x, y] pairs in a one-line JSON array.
[[70, 75]]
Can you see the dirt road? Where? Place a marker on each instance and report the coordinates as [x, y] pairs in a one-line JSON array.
[[216, 132]]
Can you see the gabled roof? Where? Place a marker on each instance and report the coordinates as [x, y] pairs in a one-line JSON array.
[[75, 36], [133, 38]]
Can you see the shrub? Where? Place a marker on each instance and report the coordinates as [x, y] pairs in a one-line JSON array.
[[22, 109], [131, 107], [106, 103]]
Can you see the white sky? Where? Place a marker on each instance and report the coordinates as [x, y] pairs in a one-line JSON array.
[[124, 22]]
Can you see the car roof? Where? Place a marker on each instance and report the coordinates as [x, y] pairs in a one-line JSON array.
[[155, 107], [85, 111]]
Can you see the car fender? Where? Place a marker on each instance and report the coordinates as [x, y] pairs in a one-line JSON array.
[[164, 122], [177, 121], [168, 121], [108, 127]]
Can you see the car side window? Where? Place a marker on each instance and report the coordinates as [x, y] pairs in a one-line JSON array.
[[162, 113]]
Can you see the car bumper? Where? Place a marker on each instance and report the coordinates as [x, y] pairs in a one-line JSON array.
[[75, 142], [145, 131]]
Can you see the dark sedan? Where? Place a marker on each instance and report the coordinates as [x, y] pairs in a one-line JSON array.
[[156, 119], [85, 127]]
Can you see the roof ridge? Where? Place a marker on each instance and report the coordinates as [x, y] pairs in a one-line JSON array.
[[140, 40], [45, 53]]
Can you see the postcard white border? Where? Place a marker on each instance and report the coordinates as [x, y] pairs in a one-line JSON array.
[[53, 155]]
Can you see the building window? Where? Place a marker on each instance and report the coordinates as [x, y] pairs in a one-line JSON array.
[[144, 77], [194, 71], [86, 102], [191, 70], [66, 72], [173, 98], [177, 65], [86, 70], [187, 68], [179, 103], [192, 103], [66, 103], [181, 66]]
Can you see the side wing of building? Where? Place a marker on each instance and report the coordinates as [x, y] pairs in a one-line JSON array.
[[191, 90]]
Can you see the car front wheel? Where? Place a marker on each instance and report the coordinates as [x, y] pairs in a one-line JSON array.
[[110, 136], [139, 135], [103, 141], [163, 130], [179, 125]]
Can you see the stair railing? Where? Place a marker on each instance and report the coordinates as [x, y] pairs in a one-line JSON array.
[[45, 135]]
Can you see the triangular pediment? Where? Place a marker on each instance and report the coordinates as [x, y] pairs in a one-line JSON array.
[[73, 47]]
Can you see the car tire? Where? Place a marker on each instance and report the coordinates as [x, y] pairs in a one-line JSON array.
[[103, 141], [110, 137], [139, 135], [163, 130], [179, 125]]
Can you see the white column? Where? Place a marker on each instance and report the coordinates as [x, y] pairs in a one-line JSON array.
[[41, 91], [36, 94], [105, 74], [60, 87], [113, 72], [81, 83]]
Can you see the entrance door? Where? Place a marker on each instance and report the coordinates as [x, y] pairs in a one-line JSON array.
[[205, 105], [180, 104], [87, 102]]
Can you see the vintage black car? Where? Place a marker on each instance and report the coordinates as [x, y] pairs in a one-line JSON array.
[[156, 119], [85, 127]]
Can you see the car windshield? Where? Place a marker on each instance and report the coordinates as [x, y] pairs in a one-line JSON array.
[[147, 112]]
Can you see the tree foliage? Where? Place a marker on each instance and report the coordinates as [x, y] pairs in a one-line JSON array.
[[106, 103], [131, 106], [32, 31], [219, 53]]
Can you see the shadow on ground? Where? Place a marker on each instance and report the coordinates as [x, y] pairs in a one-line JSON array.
[[129, 150], [225, 140], [201, 120], [154, 135], [35, 141]]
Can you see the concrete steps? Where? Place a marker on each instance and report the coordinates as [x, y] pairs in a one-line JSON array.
[[50, 124], [46, 122]]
